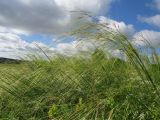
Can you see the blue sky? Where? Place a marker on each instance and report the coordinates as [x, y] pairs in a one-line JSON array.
[[26, 22], [38, 37], [128, 10]]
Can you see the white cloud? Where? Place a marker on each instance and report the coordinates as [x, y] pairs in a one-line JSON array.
[[118, 54], [76, 47], [88, 47], [12, 30], [50, 17], [153, 20], [94, 6], [12, 46], [147, 38], [120, 26], [46, 16]]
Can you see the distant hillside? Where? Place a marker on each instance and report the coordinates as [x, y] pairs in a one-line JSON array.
[[9, 60]]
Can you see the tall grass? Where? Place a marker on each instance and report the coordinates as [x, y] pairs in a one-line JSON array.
[[76, 88]]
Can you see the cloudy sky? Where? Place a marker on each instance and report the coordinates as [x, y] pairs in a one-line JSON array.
[[27, 23]]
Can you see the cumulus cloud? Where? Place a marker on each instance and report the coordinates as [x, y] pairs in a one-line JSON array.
[[50, 17], [46, 16], [88, 47], [94, 6], [76, 47], [116, 25], [153, 20], [12, 46], [12, 30], [147, 38]]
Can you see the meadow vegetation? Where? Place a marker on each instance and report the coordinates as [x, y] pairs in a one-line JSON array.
[[79, 88]]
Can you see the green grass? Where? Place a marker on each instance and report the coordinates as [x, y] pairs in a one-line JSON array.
[[80, 88], [77, 88]]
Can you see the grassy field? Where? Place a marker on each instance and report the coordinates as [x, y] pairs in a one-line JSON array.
[[80, 88]]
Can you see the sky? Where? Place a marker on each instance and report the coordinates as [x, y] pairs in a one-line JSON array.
[[24, 24]]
